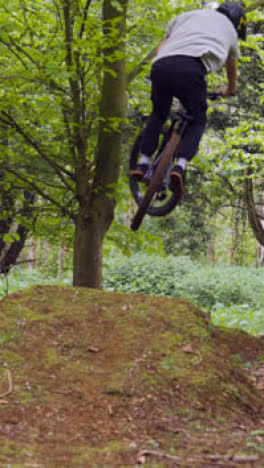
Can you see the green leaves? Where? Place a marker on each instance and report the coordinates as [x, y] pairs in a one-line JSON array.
[[11, 237], [233, 295]]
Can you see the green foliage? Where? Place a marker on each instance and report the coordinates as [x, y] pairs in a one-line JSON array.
[[242, 316], [234, 295], [5, 338], [121, 240], [189, 228], [23, 278], [143, 273]]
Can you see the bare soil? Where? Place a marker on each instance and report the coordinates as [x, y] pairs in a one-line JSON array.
[[92, 379]]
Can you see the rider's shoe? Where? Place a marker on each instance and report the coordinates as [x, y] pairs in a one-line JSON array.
[[142, 168], [177, 180], [139, 171]]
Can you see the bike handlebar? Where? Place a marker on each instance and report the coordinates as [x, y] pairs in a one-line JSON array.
[[214, 96]]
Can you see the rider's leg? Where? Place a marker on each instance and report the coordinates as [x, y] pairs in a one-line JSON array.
[[193, 96], [190, 88], [186, 150], [161, 97]]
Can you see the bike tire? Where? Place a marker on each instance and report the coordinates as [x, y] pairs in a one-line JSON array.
[[161, 210], [155, 183]]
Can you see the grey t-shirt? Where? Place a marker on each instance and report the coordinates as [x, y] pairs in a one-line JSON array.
[[207, 34]]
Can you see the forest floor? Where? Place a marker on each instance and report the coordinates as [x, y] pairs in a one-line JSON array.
[[92, 379]]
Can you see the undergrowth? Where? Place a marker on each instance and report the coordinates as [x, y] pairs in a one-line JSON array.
[[233, 295]]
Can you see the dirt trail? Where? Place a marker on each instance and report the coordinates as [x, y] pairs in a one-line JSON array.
[[105, 379]]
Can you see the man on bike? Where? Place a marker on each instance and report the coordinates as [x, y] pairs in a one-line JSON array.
[[196, 43]]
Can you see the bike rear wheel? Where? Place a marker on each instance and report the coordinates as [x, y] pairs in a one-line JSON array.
[[165, 201]]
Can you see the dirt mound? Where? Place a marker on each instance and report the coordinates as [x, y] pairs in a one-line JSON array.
[[106, 379]]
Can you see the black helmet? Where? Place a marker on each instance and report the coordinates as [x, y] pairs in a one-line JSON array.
[[236, 13]]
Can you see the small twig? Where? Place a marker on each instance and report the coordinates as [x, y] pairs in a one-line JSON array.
[[235, 458], [25, 261], [155, 453], [215, 458], [10, 385], [173, 430], [200, 356]]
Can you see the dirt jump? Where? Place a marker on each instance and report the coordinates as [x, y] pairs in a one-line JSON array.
[[92, 379]]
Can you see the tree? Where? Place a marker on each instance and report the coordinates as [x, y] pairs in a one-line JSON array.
[[64, 98], [56, 56], [255, 210]]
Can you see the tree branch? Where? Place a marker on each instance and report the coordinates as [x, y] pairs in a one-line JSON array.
[[88, 3], [253, 215], [58, 169], [137, 69], [48, 80], [41, 192], [13, 52]]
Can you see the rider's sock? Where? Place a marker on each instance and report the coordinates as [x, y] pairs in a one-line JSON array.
[[145, 160], [182, 162]]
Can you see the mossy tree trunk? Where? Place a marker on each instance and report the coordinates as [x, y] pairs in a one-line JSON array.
[[97, 203]]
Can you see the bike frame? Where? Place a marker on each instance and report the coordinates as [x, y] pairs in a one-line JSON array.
[[177, 129]]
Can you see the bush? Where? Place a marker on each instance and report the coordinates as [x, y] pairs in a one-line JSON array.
[[149, 275], [234, 295]]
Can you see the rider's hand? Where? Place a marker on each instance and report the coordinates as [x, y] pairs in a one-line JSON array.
[[226, 92]]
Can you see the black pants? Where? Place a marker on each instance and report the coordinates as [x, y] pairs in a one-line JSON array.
[[184, 78]]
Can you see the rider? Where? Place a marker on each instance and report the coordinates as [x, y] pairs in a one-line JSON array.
[[196, 43]]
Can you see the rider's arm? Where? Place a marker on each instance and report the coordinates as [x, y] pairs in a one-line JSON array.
[[231, 73], [160, 46]]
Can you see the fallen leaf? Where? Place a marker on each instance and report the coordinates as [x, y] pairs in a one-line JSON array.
[[92, 349], [138, 401], [11, 420], [139, 359], [141, 460], [187, 348], [260, 386]]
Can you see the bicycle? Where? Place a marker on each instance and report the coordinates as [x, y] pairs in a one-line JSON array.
[[152, 193]]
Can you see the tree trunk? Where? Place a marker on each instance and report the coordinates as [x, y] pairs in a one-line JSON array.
[[87, 258], [32, 254], [61, 262], [260, 204], [13, 251], [97, 207], [253, 213], [212, 251]]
